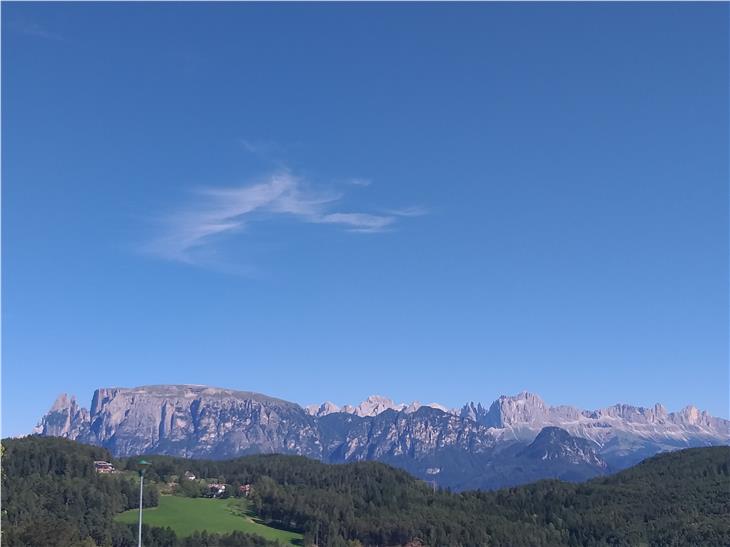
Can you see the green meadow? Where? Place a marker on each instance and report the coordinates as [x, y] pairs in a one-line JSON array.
[[186, 515]]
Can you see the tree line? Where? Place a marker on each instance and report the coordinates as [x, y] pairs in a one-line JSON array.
[[680, 498]]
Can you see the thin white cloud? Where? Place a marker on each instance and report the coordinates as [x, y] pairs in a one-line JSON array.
[[223, 211], [29, 28], [415, 211], [261, 148], [359, 222]]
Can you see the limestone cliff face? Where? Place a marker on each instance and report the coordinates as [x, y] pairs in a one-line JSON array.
[[392, 434], [65, 419], [522, 416], [190, 421], [515, 438]]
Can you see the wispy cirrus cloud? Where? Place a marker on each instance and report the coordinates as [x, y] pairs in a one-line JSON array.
[[413, 211], [358, 222], [219, 212], [29, 28], [261, 148]]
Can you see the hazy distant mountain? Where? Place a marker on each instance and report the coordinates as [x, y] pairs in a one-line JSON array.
[[190, 421], [514, 440], [372, 406]]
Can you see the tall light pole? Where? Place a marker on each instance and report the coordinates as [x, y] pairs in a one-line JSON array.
[[142, 469]]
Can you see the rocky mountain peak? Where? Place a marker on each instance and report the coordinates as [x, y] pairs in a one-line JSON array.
[[64, 419], [523, 408], [633, 414], [555, 443], [693, 416], [371, 406], [514, 432], [551, 436], [659, 413], [524, 398], [374, 405], [62, 402], [473, 411], [415, 405], [324, 409], [186, 420]]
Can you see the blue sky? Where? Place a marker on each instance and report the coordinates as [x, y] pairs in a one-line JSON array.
[[434, 202]]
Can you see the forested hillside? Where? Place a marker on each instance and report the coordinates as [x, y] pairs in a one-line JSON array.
[[680, 498], [52, 496]]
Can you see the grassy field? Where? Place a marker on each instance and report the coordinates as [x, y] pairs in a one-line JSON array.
[[186, 515]]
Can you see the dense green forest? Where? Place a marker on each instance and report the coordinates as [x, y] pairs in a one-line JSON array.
[[51, 496]]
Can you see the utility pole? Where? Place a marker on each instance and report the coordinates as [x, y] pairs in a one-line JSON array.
[[143, 463]]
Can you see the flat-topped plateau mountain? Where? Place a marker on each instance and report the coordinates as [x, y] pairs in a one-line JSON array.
[[514, 440]]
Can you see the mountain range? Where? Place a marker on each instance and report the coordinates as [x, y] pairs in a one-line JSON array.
[[514, 440]]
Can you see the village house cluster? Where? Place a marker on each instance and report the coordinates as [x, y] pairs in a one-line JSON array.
[[218, 489], [104, 467], [214, 489]]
